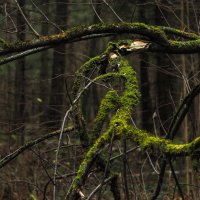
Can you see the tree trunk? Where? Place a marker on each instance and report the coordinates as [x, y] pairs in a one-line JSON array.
[[20, 81], [44, 72], [58, 69], [146, 116], [185, 129]]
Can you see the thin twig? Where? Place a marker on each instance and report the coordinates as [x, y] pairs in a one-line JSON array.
[[42, 13], [26, 20], [61, 133], [124, 170], [118, 17], [107, 165], [176, 179], [23, 54], [30, 144], [105, 181], [96, 13]]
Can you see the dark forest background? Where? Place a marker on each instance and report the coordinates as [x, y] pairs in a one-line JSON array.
[[35, 91]]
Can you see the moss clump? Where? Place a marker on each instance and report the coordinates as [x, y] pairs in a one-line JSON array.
[[185, 46], [92, 152], [86, 68], [111, 102]]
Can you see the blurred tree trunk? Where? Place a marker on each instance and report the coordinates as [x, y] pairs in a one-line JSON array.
[[44, 71], [164, 81], [58, 69], [146, 101], [20, 80], [91, 98], [184, 21]]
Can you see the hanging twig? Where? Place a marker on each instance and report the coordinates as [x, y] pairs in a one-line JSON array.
[[61, 133], [97, 14], [26, 20], [118, 17]]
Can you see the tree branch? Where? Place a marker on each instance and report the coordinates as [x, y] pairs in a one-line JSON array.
[[30, 144]]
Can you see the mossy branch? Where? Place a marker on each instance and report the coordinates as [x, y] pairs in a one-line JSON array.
[[119, 125], [159, 37]]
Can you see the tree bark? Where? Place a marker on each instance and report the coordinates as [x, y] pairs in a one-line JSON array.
[[20, 81], [58, 69]]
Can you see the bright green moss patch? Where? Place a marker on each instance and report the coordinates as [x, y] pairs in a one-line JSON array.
[[110, 103], [92, 152]]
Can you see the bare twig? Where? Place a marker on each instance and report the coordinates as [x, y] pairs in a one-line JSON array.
[[96, 13], [105, 181], [30, 144], [107, 165], [61, 133], [22, 54], [124, 169], [118, 17], [43, 14], [26, 20]]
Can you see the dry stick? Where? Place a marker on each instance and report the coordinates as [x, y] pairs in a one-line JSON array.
[[30, 144], [107, 165], [176, 122], [124, 170], [48, 175], [118, 17], [96, 13], [61, 133], [23, 54], [7, 15], [26, 20], [42, 13], [131, 179], [176, 179], [98, 187], [105, 181]]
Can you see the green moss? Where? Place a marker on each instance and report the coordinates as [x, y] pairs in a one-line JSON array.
[[178, 32], [123, 103], [3, 43], [177, 148], [110, 103], [86, 68], [92, 152], [184, 46]]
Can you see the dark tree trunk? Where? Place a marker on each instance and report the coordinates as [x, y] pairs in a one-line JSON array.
[[44, 72], [58, 69], [164, 83], [20, 81], [146, 108]]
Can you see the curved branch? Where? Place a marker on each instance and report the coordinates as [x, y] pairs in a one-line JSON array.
[[158, 39], [154, 33], [22, 54], [175, 124]]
